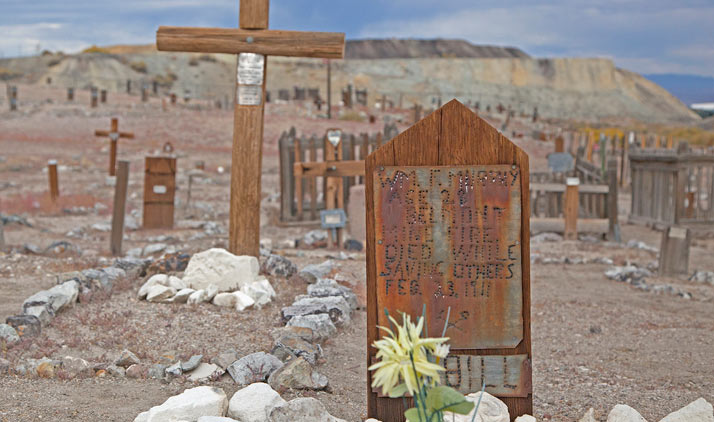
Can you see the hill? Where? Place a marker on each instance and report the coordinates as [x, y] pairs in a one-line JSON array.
[[420, 49]]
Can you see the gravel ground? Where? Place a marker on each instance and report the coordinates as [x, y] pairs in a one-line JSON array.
[[596, 342]]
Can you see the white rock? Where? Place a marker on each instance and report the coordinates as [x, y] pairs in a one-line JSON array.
[[189, 405], [211, 292], [220, 267], [204, 372], [159, 293], [491, 409], [525, 418], [304, 409], [254, 403], [182, 295], [624, 413], [589, 416], [260, 291], [156, 279], [7, 333], [56, 298], [176, 283], [225, 299], [698, 411], [199, 296], [243, 301]]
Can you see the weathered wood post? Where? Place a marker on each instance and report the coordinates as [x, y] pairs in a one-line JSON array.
[[12, 97], [436, 194], [144, 93], [103, 96], [119, 207], [613, 231], [559, 144], [159, 192], [128, 86], [674, 252], [570, 208], [334, 194], [70, 94], [54, 183], [93, 97]]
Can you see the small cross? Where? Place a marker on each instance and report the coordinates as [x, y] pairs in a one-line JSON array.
[[252, 41], [114, 136]]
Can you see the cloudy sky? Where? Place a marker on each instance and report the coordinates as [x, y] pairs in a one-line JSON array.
[[647, 36]]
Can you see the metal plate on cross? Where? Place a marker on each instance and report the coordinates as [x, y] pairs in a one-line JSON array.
[[561, 162], [251, 95], [250, 68], [334, 136], [333, 219], [113, 136]]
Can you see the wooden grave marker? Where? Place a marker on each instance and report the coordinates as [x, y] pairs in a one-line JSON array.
[[12, 97], [53, 180], [447, 227], [119, 208], [70, 94], [93, 96], [674, 252], [159, 192], [103, 96], [114, 135], [251, 42]]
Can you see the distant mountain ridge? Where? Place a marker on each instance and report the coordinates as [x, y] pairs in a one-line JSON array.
[[394, 48], [688, 88]]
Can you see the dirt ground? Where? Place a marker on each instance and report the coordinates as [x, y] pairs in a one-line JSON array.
[[596, 342]]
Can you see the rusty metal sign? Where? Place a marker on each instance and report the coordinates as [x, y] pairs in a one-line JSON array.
[[504, 376], [449, 237]]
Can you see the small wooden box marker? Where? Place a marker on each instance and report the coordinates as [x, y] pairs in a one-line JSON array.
[[159, 192]]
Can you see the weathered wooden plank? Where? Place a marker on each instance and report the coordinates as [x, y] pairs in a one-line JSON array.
[[253, 14], [328, 45]]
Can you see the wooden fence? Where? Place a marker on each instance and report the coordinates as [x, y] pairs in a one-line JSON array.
[[672, 186], [312, 149]]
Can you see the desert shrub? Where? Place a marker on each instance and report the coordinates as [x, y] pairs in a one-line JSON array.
[[352, 116], [166, 80], [193, 62], [7, 74], [138, 66], [207, 58]]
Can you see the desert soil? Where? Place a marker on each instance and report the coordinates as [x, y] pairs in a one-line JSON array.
[[596, 342]]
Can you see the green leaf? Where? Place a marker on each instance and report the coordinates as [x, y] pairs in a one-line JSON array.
[[412, 415], [398, 391], [446, 399]]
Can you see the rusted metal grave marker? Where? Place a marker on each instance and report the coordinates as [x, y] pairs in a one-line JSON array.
[[159, 192], [114, 135], [447, 227]]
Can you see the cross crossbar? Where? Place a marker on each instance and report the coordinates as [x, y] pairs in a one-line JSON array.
[[328, 45]]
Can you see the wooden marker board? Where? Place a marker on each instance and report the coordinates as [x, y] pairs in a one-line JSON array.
[[159, 192], [447, 226]]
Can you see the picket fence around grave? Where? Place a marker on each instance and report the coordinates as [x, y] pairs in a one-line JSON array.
[[312, 149], [672, 186]]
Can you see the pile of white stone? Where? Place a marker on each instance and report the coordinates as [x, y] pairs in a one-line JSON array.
[[257, 402], [215, 276]]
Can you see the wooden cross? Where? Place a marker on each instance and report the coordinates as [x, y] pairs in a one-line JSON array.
[[114, 136], [252, 41]]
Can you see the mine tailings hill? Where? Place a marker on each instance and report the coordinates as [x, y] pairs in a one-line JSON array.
[[582, 89]]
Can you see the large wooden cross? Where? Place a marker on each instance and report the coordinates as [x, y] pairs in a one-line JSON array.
[[114, 135], [252, 41]]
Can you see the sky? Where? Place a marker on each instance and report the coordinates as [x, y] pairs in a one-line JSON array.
[[652, 36]]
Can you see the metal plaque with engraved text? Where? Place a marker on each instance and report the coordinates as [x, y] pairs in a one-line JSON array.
[[449, 237]]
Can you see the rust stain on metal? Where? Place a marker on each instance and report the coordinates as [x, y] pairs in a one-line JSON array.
[[450, 237]]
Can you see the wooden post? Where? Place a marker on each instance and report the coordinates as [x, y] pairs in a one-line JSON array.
[[674, 252], [12, 97], [590, 147], [384, 102], [570, 208], [2, 236], [334, 194], [119, 207], [489, 322], [159, 192], [173, 98], [299, 195], [70, 94], [252, 41], [103, 96], [670, 142], [128, 86], [613, 232], [329, 89], [54, 183], [559, 144], [93, 96], [144, 93], [658, 141]]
